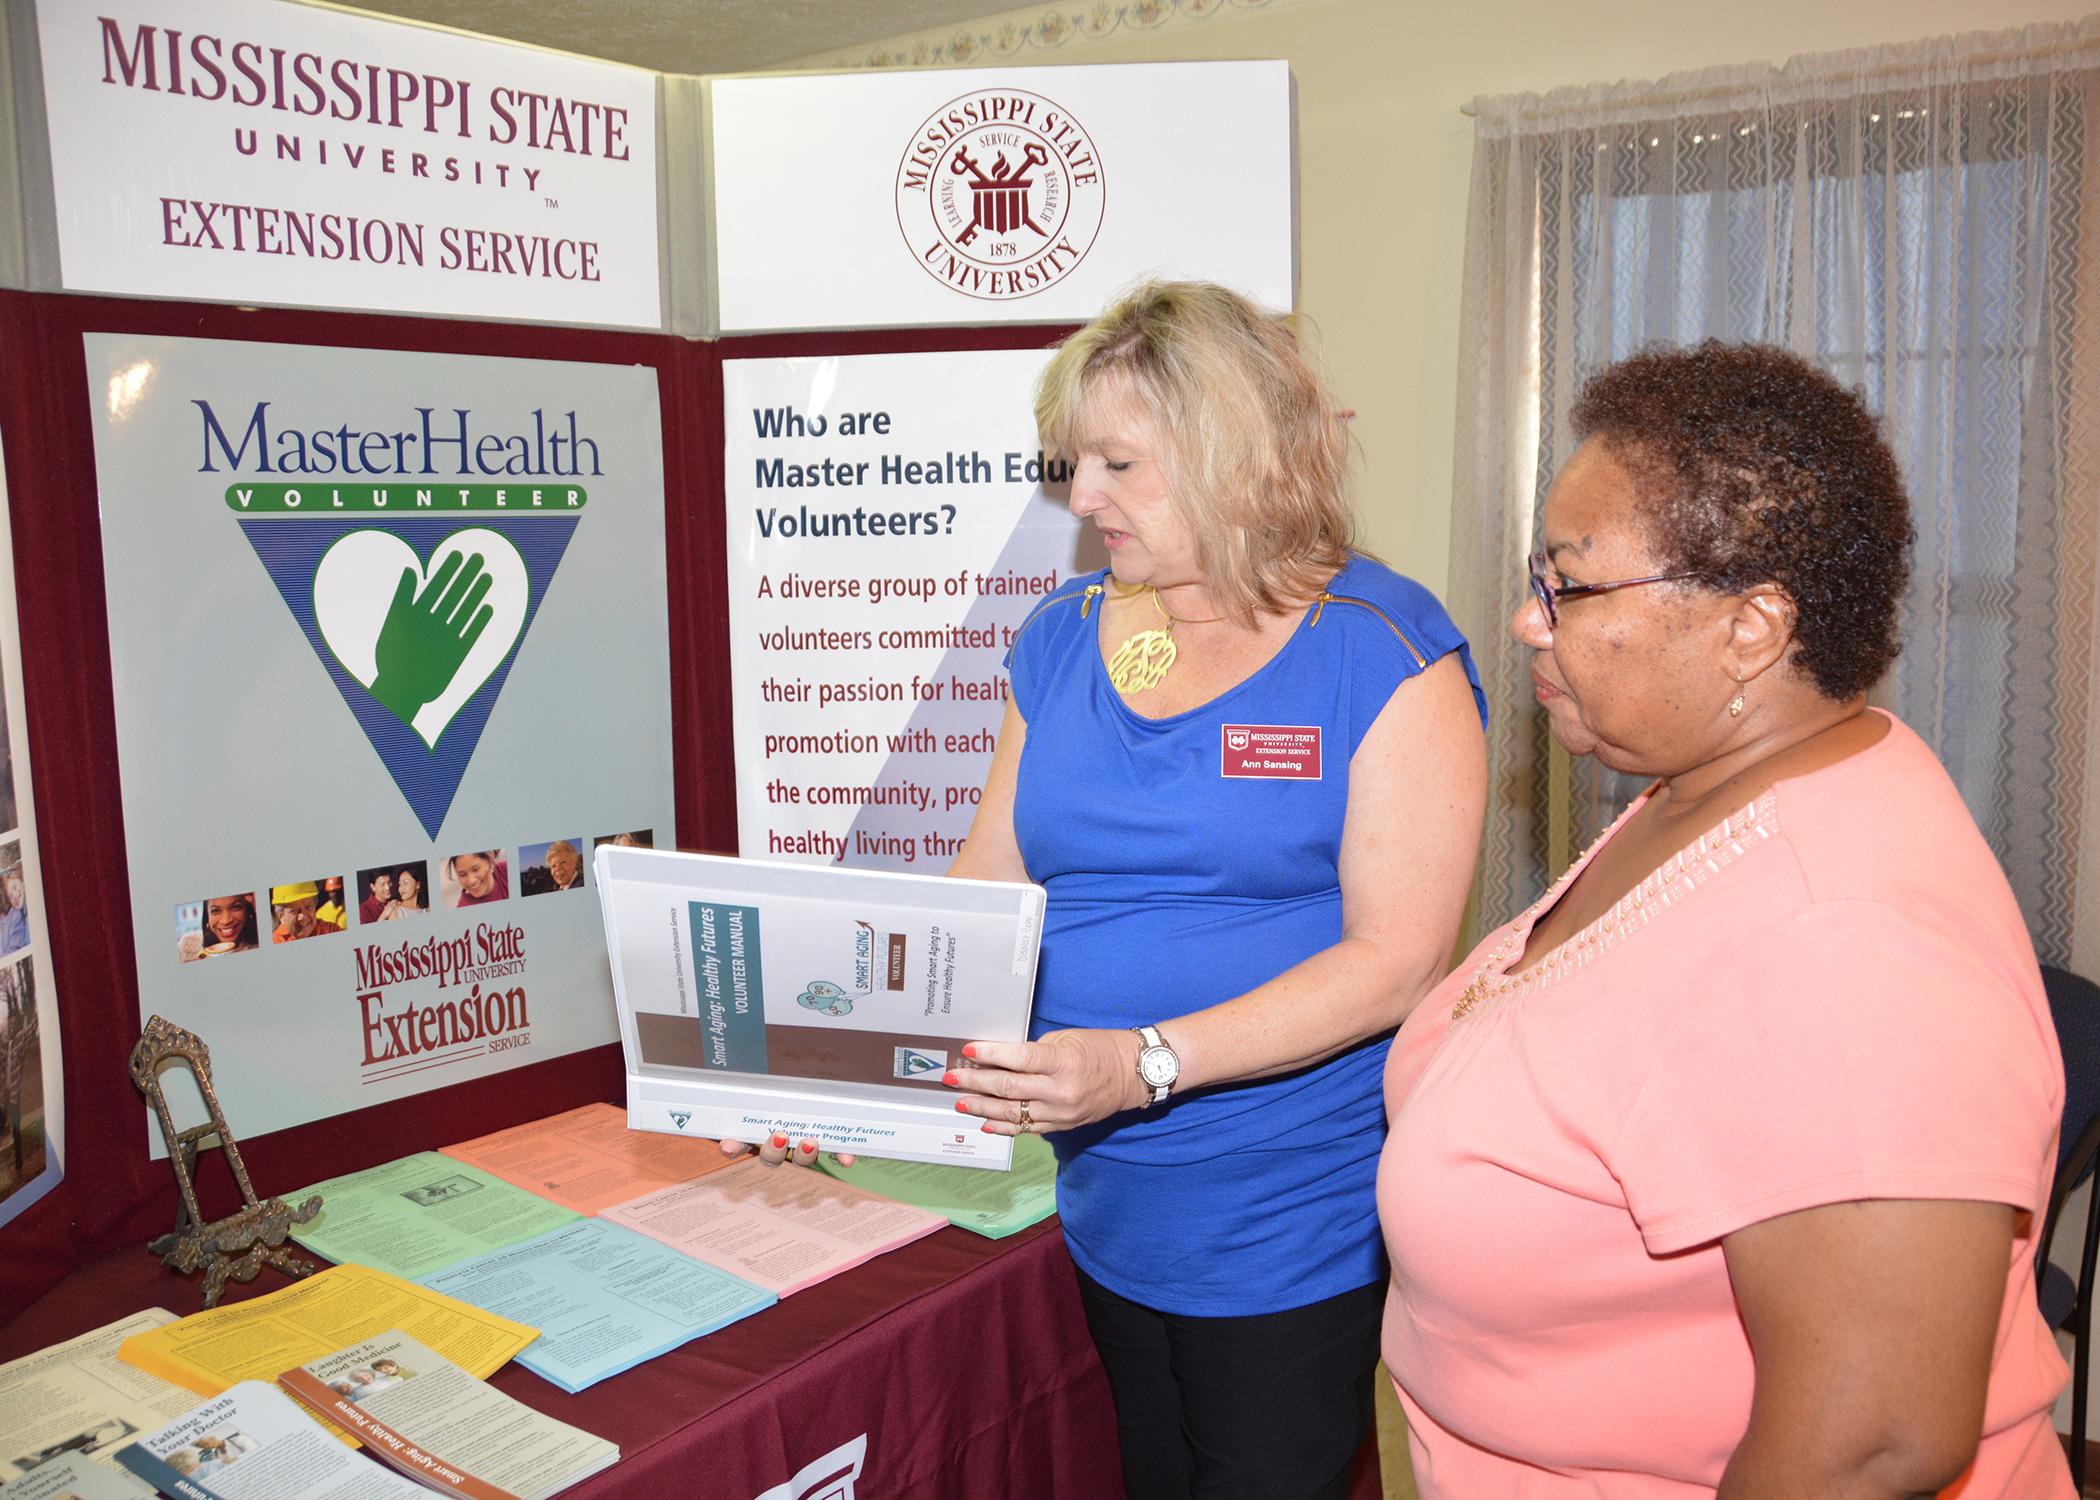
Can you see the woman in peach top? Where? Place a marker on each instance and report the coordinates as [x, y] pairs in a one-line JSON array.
[[1717, 1171]]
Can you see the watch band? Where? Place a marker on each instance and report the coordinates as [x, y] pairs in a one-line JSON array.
[[1151, 1038]]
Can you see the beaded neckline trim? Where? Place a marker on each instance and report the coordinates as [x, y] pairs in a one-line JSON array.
[[1667, 885]]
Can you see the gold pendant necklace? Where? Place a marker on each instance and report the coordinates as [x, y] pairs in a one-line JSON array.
[[1143, 661], [1146, 656]]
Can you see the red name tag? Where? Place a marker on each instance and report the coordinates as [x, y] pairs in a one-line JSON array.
[[1276, 752]]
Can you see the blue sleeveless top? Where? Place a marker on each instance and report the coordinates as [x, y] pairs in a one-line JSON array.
[[1189, 860]]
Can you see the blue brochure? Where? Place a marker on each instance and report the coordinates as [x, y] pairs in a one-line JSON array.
[[603, 1297]]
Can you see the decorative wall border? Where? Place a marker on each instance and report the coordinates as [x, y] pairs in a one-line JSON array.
[[1032, 34]]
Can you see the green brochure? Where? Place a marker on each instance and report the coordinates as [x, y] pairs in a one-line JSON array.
[[420, 1214], [993, 1204]]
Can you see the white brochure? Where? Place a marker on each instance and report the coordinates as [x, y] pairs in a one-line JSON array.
[[71, 1477], [421, 1414], [79, 1399], [257, 1443]]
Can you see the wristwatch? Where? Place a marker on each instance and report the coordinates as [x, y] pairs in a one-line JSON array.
[[1157, 1066]]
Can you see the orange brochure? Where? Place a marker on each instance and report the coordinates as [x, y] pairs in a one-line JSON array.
[[588, 1160]]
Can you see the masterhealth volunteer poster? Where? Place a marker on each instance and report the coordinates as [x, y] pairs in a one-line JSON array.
[[892, 522], [389, 645]]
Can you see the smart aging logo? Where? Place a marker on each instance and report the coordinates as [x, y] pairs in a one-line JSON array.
[[1000, 194]]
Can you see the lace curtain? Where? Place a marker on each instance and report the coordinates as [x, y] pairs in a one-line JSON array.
[[1922, 220]]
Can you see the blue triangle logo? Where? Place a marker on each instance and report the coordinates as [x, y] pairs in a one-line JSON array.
[[417, 620]]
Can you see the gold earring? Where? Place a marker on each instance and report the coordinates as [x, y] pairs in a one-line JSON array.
[[1735, 704]]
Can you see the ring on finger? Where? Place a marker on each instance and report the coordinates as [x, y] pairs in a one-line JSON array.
[[1025, 1122]]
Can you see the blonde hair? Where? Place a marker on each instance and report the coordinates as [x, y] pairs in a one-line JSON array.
[[1254, 452]]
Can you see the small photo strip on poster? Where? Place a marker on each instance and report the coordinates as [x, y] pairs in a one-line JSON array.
[[641, 838], [17, 995], [23, 1148], [14, 899], [10, 810], [216, 926], [302, 909], [388, 892], [556, 865], [475, 878], [295, 910]]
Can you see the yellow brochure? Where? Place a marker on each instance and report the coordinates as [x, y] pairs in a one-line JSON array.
[[260, 1339]]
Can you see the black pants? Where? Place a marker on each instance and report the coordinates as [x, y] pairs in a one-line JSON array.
[[1270, 1407]]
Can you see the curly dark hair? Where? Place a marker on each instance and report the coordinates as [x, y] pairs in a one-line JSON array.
[[1754, 466]]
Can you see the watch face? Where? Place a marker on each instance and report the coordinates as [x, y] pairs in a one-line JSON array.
[[1158, 1067]]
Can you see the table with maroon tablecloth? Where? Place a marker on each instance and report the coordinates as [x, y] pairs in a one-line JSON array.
[[964, 1361]]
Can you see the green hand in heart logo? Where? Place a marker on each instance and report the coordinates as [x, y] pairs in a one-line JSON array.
[[421, 638]]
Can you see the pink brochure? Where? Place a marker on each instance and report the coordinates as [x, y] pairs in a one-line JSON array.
[[783, 1227]]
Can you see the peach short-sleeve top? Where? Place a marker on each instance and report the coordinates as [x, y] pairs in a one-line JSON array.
[[1830, 997]]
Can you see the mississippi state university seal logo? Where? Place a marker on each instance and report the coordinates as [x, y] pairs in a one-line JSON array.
[[999, 194]]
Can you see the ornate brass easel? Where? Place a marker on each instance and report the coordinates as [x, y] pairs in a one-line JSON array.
[[239, 1245]]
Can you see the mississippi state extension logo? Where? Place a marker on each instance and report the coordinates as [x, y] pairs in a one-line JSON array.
[[999, 194]]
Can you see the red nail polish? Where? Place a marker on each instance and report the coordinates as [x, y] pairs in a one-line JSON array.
[[970, 1051], [951, 1080], [779, 1140], [959, 1108], [987, 1128]]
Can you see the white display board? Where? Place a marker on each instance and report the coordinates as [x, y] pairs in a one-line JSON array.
[[963, 196], [390, 654], [32, 1082], [258, 152], [889, 530]]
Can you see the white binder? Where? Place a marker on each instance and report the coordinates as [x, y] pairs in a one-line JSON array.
[[812, 1001]]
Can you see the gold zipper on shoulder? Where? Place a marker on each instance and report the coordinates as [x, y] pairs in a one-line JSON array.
[[1326, 599], [1086, 600]]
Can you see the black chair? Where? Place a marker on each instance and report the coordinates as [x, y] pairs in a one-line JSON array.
[[2075, 1005]]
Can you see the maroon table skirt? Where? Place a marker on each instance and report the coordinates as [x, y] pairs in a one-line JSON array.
[[963, 1362]]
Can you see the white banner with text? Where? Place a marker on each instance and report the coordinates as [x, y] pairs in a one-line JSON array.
[[257, 152], [891, 524]]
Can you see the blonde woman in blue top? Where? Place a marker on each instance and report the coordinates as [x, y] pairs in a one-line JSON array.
[[1247, 764]]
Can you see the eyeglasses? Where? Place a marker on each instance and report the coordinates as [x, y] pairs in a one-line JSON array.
[[1549, 594]]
